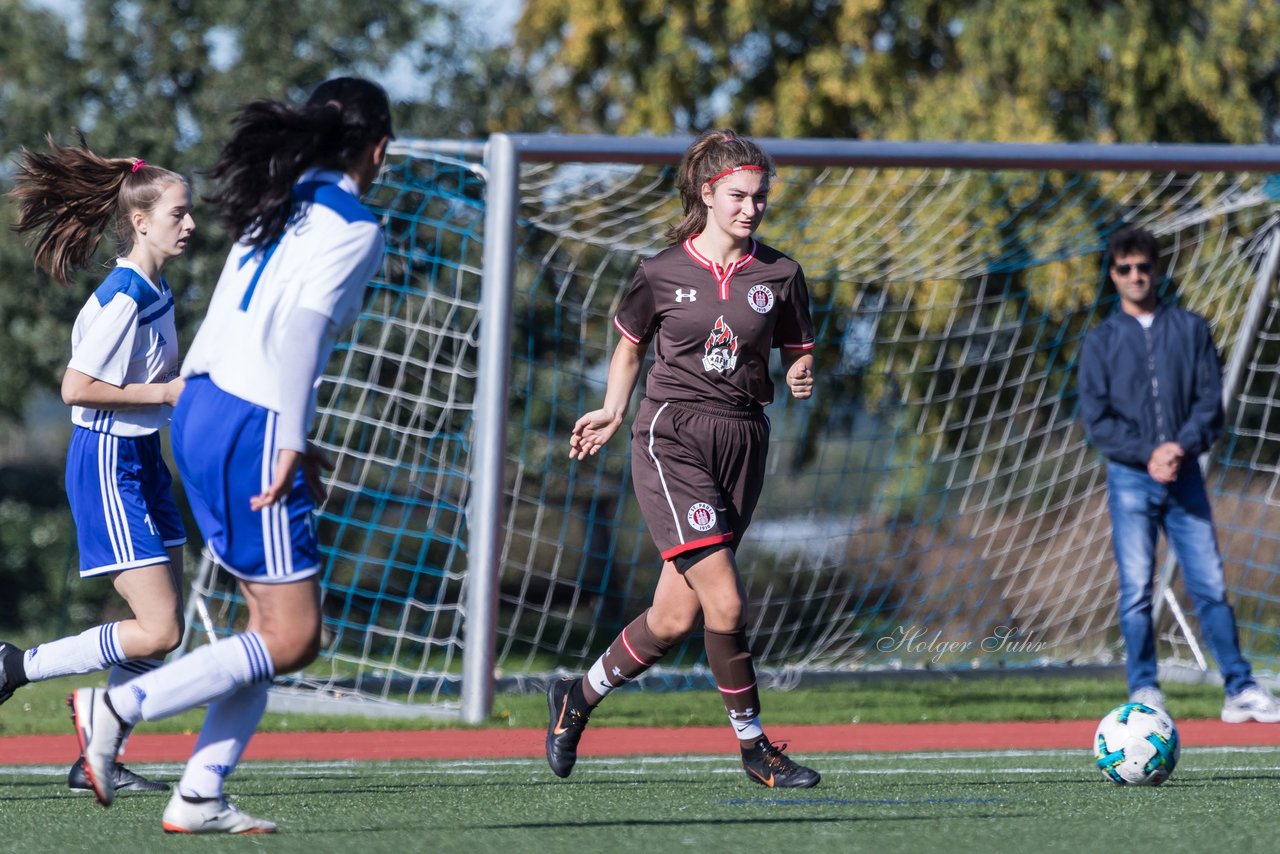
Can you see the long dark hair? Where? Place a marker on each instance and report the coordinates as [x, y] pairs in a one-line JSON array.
[[713, 152], [70, 196], [272, 143]]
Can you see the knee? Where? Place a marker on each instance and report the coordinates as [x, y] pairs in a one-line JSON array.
[[1135, 583], [1206, 592], [723, 610], [291, 648], [160, 638], [669, 627], [1135, 605], [725, 617]]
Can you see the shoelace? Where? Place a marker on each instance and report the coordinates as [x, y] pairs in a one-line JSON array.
[[774, 757]]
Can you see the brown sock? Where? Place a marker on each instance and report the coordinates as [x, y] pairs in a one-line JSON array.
[[632, 652], [735, 675]]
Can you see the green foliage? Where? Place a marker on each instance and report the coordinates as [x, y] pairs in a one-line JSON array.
[[1024, 70], [162, 80], [38, 565]]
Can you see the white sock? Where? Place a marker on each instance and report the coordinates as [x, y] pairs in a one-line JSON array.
[[598, 679], [747, 731], [228, 726], [122, 673], [199, 677], [131, 669], [91, 650]]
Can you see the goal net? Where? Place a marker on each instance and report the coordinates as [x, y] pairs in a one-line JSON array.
[[935, 505]]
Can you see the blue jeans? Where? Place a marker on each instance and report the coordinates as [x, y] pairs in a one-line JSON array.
[[1140, 507]]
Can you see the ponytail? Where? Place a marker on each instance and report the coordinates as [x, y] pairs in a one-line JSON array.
[[273, 143], [69, 197]]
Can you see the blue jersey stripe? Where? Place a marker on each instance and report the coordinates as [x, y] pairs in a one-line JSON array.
[[159, 312], [253, 283]]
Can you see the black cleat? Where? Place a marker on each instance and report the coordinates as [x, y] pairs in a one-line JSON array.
[[126, 780], [766, 764], [564, 729], [12, 674]]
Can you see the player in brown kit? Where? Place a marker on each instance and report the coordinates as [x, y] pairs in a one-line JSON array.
[[714, 304]]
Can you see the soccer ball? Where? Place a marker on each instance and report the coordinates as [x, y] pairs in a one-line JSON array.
[[1136, 745]]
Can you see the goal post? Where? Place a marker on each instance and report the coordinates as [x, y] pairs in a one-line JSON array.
[[934, 506]]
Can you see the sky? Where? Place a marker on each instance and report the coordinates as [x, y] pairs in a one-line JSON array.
[[501, 16]]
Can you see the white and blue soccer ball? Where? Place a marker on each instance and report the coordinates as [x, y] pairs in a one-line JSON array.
[[1136, 745]]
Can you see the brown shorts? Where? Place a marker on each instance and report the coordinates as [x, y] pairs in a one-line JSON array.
[[697, 470]]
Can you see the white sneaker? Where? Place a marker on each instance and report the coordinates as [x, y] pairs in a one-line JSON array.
[[1254, 703], [100, 733], [1148, 695], [211, 816]]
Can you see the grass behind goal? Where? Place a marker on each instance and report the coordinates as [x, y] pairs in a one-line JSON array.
[[40, 708]]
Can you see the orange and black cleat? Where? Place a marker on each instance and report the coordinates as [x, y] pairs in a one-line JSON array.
[[766, 764], [564, 728]]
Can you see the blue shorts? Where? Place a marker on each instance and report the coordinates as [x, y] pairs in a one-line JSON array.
[[225, 448], [121, 501]]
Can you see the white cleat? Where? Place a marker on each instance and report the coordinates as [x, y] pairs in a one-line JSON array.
[[1149, 695], [215, 815], [100, 734], [1254, 703]]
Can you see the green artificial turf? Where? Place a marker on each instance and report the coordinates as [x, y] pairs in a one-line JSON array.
[[1021, 801]]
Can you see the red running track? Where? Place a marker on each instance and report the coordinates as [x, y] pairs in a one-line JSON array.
[[619, 741]]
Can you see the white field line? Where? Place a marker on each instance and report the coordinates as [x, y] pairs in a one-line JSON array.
[[830, 763]]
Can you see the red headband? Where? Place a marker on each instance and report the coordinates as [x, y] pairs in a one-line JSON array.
[[748, 167], [138, 164]]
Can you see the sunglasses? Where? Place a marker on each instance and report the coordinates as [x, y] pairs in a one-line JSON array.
[[1143, 267]]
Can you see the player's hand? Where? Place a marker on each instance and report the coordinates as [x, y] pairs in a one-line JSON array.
[[315, 463], [591, 433], [287, 463], [800, 378], [173, 390]]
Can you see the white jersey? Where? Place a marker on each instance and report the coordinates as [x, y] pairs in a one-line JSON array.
[[126, 334], [322, 263]]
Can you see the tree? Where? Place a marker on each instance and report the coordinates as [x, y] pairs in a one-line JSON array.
[[160, 79], [1010, 70]]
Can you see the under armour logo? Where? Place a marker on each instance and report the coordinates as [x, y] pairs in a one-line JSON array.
[[691, 295]]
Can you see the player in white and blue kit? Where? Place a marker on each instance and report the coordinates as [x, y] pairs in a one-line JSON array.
[[118, 484], [289, 183], [122, 382]]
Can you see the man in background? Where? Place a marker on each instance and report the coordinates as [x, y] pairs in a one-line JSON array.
[[1151, 401]]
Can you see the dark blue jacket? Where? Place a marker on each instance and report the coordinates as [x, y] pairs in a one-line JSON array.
[[1140, 388]]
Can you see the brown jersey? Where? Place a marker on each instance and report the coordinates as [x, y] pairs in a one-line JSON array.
[[712, 326]]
